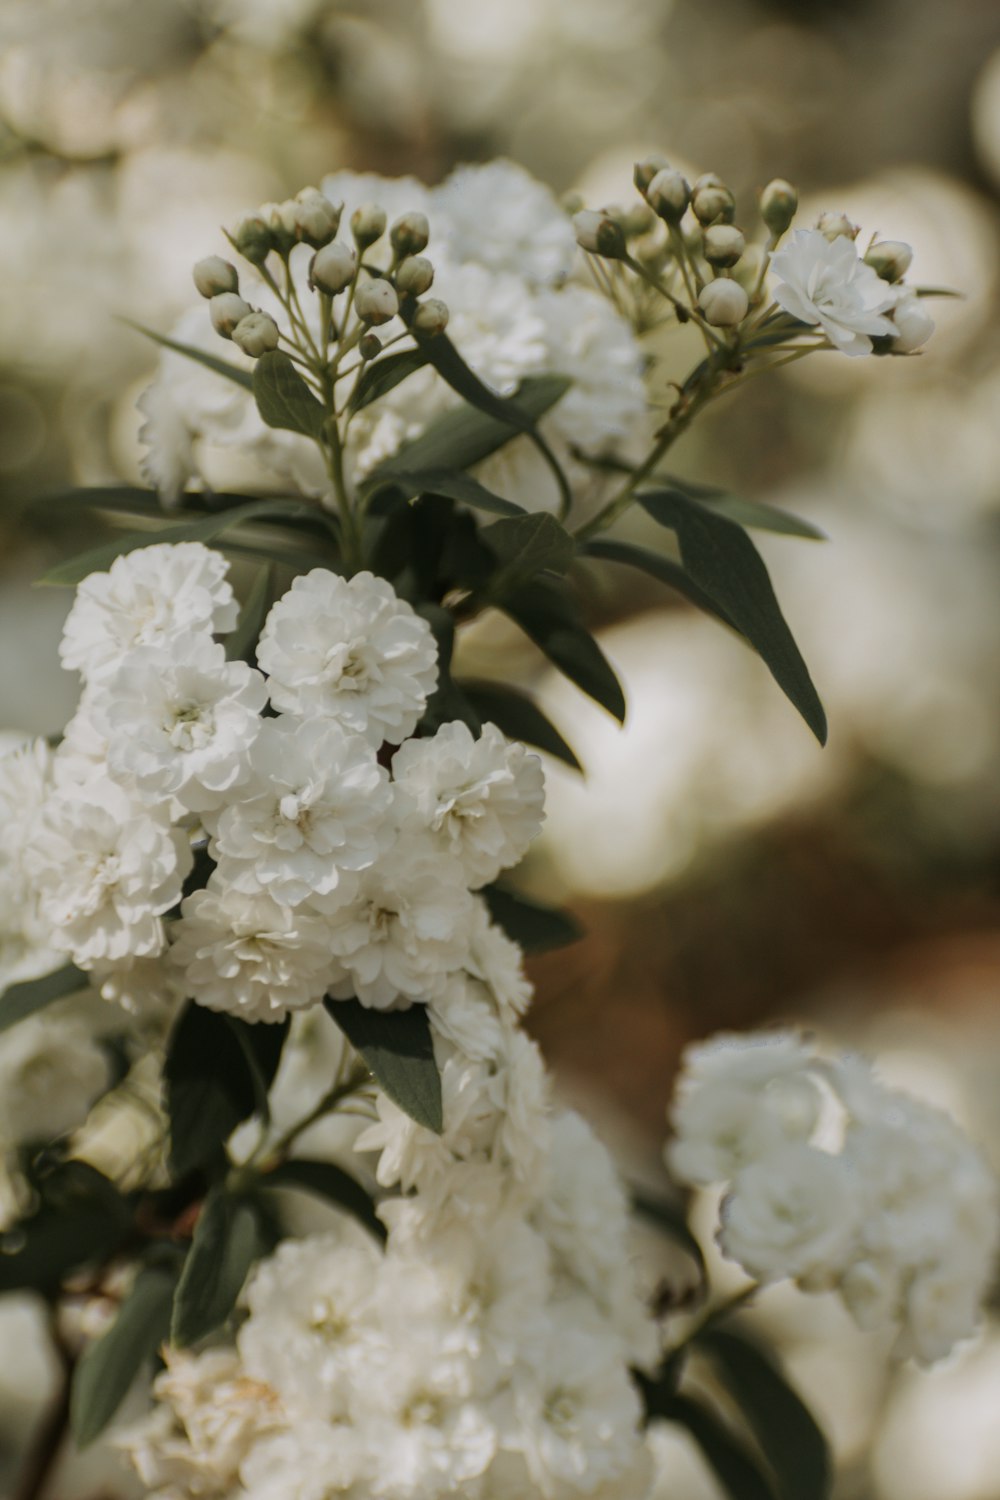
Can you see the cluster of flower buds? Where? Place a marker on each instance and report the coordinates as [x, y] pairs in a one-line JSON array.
[[309, 218], [252, 331]]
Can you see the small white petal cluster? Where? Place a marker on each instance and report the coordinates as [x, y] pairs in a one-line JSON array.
[[902, 1218], [825, 282]]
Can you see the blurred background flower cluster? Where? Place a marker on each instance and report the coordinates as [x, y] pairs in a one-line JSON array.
[[726, 870]]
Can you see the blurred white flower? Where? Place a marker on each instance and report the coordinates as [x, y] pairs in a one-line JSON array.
[[793, 1212]]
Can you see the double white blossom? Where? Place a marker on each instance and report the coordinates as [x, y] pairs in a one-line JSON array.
[[825, 282]]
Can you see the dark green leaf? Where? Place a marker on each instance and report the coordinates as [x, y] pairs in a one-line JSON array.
[[939, 291], [328, 1181], [203, 530], [535, 927], [786, 1430], [105, 1374], [283, 398], [526, 545], [209, 1081], [518, 717], [547, 614], [383, 375], [82, 1219], [739, 1473], [454, 485], [241, 645], [225, 1245], [397, 1046], [219, 366], [663, 569], [447, 702], [23, 1000], [764, 517], [723, 561], [670, 1218]]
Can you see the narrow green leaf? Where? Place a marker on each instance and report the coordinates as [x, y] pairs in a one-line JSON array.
[[535, 927], [764, 517], [788, 1434], [204, 530], [454, 485], [447, 702], [222, 367], [241, 644], [518, 717], [663, 569], [670, 1218], [398, 1047], [526, 545], [723, 561], [225, 1245], [739, 1473], [283, 398], [383, 375], [107, 1370], [547, 614], [326, 1180], [23, 1000]]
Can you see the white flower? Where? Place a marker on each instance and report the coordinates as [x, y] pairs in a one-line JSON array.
[[349, 649], [912, 323], [500, 216], [793, 1213], [52, 1068], [313, 1461], [827, 283], [481, 799], [148, 597], [250, 956], [316, 806], [180, 719], [25, 780], [106, 869]]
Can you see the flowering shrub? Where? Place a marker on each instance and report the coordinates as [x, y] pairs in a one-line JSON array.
[[273, 838]]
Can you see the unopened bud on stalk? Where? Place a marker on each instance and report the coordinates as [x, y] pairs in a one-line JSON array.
[[431, 317], [668, 195], [375, 301], [723, 303], [316, 218], [639, 219], [409, 235], [414, 275], [711, 200], [281, 221], [256, 334], [214, 275], [253, 239], [913, 322], [645, 170], [333, 267], [598, 233], [367, 225], [226, 310], [835, 226], [890, 258], [778, 203], [723, 244], [369, 346]]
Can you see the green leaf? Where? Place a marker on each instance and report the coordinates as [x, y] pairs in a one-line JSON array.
[[283, 398], [211, 1081], [447, 702], [663, 569], [226, 1243], [383, 375], [454, 485], [241, 644], [547, 614], [219, 366], [536, 928], [763, 517], [723, 561], [82, 1219], [526, 545], [670, 1218], [464, 437], [326, 1180], [737, 1470], [203, 530], [23, 1000], [107, 1370], [398, 1047], [786, 1430], [518, 717]]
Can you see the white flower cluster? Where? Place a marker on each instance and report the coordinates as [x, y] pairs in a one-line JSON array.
[[332, 874], [902, 1218], [503, 257]]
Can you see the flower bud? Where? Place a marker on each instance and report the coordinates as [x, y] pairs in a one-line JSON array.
[[414, 275], [645, 170], [316, 218], [333, 267], [778, 203], [723, 303], [226, 310], [835, 226], [375, 301], [409, 235], [639, 219], [280, 219], [367, 225], [256, 334], [431, 317], [668, 195], [253, 239], [214, 275], [369, 346], [711, 200], [890, 258], [913, 322], [723, 244], [598, 233]]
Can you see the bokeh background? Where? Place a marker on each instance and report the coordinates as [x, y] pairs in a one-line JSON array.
[[727, 871]]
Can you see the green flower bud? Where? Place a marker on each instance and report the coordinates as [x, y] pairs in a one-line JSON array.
[[414, 275], [409, 234], [253, 239], [333, 267], [214, 275], [375, 301], [645, 170], [367, 225], [639, 219], [711, 200], [256, 334], [598, 233], [723, 303], [316, 218], [722, 244], [281, 220], [835, 226], [369, 346], [226, 310], [431, 317], [890, 258], [778, 203], [668, 195]]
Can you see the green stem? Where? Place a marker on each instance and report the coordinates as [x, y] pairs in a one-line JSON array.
[[279, 1149], [685, 314], [713, 1315]]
